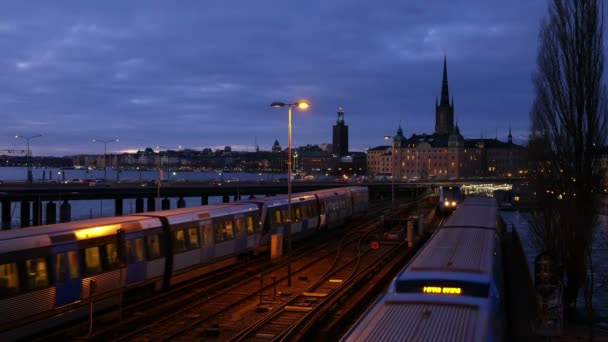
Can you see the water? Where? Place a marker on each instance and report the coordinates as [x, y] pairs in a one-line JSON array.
[[599, 253], [19, 174], [86, 209]]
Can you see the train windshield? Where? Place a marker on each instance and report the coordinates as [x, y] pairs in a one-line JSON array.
[[443, 287], [451, 192]]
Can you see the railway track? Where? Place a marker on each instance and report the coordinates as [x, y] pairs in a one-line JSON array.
[[255, 294]]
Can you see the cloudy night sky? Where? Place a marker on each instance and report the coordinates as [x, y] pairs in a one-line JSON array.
[[203, 73]]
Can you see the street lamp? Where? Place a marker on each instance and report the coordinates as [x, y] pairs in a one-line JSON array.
[[29, 155], [387, 137], [302, 105], [105, 160]]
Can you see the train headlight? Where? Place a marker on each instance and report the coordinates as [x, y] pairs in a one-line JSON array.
[[447, 203], [453, 203]]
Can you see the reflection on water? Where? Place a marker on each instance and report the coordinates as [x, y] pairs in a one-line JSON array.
[[600, 252]]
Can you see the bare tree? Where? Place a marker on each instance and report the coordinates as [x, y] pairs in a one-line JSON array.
[[568, 121]]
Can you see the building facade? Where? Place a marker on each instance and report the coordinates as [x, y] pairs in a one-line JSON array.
[[446, 154]]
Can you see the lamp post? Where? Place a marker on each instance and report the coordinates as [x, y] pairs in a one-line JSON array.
[[105, 160], [30, 179], [301, 105], [387, 137]]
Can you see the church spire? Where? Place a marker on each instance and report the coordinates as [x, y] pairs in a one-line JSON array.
[[445, 93], [510, 136], [444, 111]]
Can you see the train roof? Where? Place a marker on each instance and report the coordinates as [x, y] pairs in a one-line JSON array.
[[480, 212], [403, 320], [280, 199], [182, 215], [454, 253], [41, 236]]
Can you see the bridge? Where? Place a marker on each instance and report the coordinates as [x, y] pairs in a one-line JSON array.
[[33, 194]]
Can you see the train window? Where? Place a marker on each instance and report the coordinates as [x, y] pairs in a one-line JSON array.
[[277, 217], [219, 231], [240, 226], [229, 230], [207, 234], [285, 214], [9, 279], [297, 214], [193, 238], [305, 209], [130, 251], [74, 264], [135, 250], [249, 223], [153, 242], [36, 273], [111, 256], [92, 260], [60, 267], [139, 249], [179, 241]]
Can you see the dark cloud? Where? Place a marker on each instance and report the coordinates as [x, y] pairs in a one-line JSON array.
[[203, 73]]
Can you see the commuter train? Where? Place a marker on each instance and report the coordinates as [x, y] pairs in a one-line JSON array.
[[451, 290], [49, 274], [449, 198]]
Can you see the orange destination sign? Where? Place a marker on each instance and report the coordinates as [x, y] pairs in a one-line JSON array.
[[442, 290]]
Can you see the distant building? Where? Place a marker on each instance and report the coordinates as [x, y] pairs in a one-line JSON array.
[[276, 147], [340, 135], [379, 161], [446, 153]]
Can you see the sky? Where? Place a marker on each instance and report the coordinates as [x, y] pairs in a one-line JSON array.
[[201, 74]]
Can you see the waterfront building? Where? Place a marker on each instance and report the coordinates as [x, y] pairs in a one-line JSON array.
[[446, 154]]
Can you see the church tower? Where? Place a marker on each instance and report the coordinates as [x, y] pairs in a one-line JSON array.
[[340, 137], [444, 111]]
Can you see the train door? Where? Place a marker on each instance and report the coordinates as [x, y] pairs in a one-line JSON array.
[[322, 214], [207, 250], [68, 278], [136, 262], [241, 234]]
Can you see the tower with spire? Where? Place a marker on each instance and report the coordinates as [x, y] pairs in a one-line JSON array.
[[340, 136], [444, 110]]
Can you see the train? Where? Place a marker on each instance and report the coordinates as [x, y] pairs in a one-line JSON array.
[[49, 274], [449, 198], [451, 290]]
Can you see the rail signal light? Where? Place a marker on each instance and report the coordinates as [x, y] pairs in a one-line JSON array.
[[375, 245]]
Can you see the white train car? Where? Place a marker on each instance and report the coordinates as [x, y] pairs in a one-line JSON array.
[[452, 290], [48, 273], [336, 206]]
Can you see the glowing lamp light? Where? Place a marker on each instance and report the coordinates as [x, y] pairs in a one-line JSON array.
[[303, 104], [93, 232]]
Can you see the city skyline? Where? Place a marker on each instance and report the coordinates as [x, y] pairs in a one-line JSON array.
[[203, 75]]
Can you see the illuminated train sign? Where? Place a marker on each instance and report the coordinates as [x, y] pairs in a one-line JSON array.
[[442, 290]]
